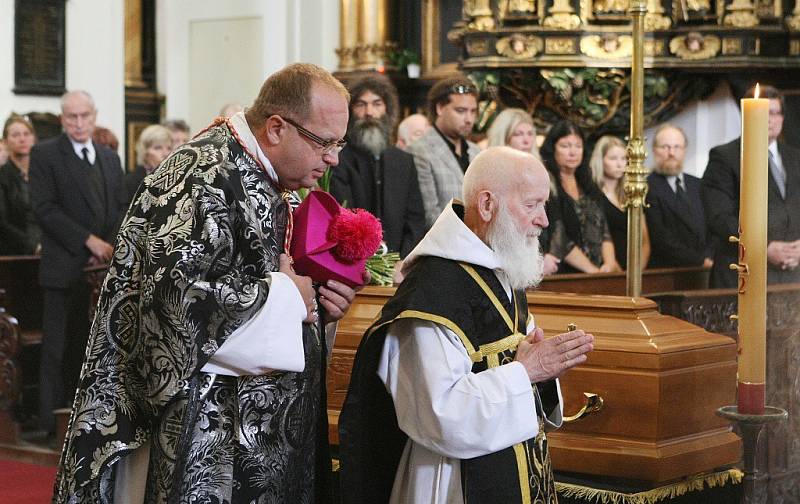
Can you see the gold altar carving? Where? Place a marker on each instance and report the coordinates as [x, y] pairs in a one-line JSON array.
[[479, 13], [653, 47], [607, 46], [694, 46], [610, 6], [477, 47], [793, 21], [512, 8], [562, 16], [519, 46], [794, 47], [655, 19], [554, 45], [741, 14], [731, 46]]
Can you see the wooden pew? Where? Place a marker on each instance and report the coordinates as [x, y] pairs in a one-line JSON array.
[[23, 301], [780, 451], [19, 277], [613, 284], [10, 379]]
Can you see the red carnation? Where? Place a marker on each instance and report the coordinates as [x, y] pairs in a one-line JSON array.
[[358, 234]]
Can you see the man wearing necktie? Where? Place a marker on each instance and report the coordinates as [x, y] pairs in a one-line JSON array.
[[675, 215], [78, 197], [720, 190]]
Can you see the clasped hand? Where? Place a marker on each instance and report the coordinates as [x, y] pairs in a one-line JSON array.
[[335, 297], [545, 359]]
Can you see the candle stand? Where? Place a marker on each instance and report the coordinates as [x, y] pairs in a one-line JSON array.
[[754, 485]]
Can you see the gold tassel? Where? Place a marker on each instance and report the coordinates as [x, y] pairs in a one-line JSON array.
[[691, 484]]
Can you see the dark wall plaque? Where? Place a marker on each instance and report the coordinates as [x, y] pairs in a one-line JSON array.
[[39, 27]]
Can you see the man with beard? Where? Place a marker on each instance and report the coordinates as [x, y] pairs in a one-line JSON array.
[[721, 194], [374, 175], [454, 386], [675, 216], [443, 153]]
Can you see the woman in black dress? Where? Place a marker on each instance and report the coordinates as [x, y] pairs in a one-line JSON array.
[[608, 164], [586, 244], [19, 232]]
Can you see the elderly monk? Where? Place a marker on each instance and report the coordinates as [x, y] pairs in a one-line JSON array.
[[454, 386]]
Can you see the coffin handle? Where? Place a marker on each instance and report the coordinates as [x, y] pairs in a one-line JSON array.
[[592, 404]]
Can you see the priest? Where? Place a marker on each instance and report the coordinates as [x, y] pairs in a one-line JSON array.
[[454, 387], [204, 376]]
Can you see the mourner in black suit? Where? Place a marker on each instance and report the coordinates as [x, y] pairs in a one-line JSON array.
[[721, 194], [78, 197], [374, 175], [675, 216]]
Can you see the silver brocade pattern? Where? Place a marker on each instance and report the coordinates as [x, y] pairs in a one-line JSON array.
[[189, 267]]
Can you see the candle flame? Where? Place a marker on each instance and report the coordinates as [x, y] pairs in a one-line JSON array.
[[758, 91]]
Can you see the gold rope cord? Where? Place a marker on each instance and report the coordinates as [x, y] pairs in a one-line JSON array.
[[691, 484]]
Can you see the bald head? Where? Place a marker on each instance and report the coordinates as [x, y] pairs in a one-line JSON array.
[[501, 170]]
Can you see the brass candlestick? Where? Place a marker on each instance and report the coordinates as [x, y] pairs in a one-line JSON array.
[[635, 173]]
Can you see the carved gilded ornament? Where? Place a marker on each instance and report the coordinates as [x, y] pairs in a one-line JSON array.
[[696, 5], [731, 46], [554, 45], [653, 47], [611, 6], [607, 46], [477, 47], [517, 7], [635, 184], [793, 21], [741, 14], [519, 46], [694, 46], [562, 16], [479, 14], [794, 47]]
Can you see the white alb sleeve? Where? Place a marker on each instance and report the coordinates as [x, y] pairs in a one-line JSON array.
[[270, 341]]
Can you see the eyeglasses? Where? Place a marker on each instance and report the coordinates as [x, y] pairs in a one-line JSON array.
[[328, 146], [463, 89], [668, 148]]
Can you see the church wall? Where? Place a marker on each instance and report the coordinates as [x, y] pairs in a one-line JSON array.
[[93, 61], [211, 53]]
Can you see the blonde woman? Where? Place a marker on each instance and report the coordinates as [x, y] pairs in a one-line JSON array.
[[153, 147], [608, 163], [514, 127]]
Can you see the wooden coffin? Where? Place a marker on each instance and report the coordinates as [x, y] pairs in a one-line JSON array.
[[661, 380]]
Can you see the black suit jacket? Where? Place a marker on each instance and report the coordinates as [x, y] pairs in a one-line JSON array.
[[400, 206], [721, 195], [678, 235], [19, 232], [68, 211]]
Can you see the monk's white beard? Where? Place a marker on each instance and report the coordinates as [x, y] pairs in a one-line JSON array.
[[520, 256]]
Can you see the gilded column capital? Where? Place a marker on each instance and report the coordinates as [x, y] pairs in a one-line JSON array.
[[562, 16], [741, 14]]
